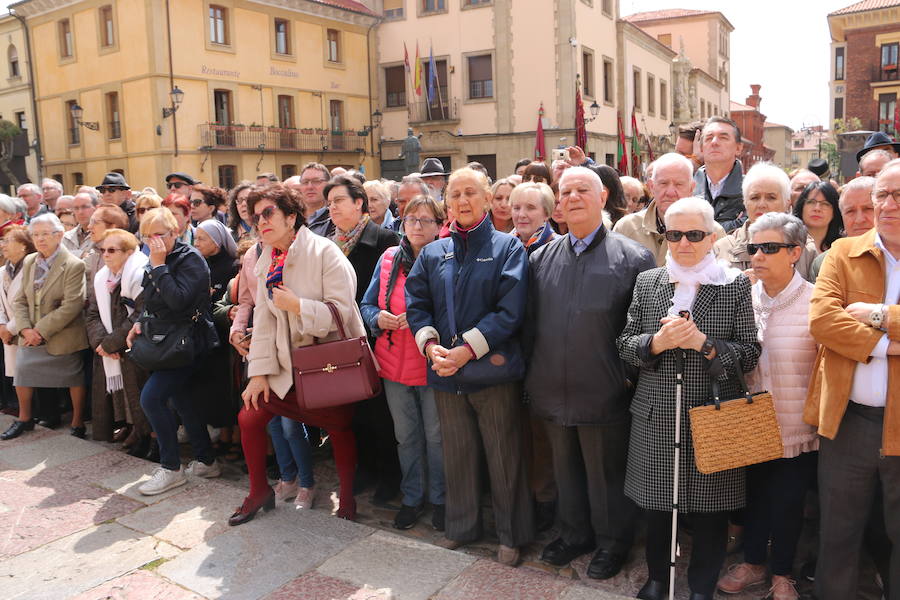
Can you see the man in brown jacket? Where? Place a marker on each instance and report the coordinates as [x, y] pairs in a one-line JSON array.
[[854, 395]]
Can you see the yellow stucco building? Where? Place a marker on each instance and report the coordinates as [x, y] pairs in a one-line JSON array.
[[266, 85], [16, 104]]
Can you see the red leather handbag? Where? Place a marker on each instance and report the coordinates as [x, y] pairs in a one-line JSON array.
[[334, 373]]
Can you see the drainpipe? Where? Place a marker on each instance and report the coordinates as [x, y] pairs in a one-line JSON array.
[[369, 64], [31, 85], [171, 78]]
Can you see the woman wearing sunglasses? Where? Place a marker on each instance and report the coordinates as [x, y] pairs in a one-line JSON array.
[[766, 189], [698, 312], [776, 489]]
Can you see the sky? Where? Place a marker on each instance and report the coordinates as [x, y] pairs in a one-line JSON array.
[[783, 45]]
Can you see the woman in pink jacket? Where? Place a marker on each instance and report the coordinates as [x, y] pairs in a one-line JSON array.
[[776, 489], [403, 368]]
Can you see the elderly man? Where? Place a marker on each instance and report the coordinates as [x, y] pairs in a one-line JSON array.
[[51, 190], [78, 240], [879, 141], [432, 173], [32, 195], [853, 398], [265, 179], [634, 191], [410, 187], [872, 162], [313, 177], [115, 191], [799, 181], [720, 178], [181, 184], [579, 291], [671, 181], [64, 203]]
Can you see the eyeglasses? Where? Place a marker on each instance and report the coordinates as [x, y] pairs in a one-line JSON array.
[[143, 209], [158, 235], [882, 195], [109, 188], [768, 247], [694, 235], [196, 201], [41, 236], [818, 203], [109, 250], [312, 181], [413, 222], [265, 213], [175, 185]]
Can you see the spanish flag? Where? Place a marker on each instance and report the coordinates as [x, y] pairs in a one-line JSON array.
[[417, 81]]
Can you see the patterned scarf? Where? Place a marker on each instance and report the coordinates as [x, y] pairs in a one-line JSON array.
[[112, 281], [276, 270], [540, 237], [42, 268], [347, 241]]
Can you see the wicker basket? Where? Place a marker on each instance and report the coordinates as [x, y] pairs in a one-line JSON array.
[[735, 433]]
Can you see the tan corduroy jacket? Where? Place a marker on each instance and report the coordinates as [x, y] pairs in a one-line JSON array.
[[641, 227], [853, 271]]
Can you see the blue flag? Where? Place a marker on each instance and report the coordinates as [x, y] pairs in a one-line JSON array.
[[432, 74]]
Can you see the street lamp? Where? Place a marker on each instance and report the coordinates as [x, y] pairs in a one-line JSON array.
[[595, 110], [177, 96], [375, 124], [77, 113]]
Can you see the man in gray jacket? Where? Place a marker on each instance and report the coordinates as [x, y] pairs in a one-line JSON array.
[[579, 292]]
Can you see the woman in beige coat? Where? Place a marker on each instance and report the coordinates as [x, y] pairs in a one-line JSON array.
[[298, 273]]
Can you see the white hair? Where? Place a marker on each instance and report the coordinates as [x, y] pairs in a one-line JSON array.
[[891, 165], [692, 206], [9, 205], [381, 189], [575, 171], [94, 196], [859, 183], [792, 229], [46, 218], [875, 153], [52, 183], [673, 159], [766, 171], [31, 187]]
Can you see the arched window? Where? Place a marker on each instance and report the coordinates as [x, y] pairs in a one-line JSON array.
[[13, 58]]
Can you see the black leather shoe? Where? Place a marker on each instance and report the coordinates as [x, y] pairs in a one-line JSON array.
[[49, 423], [438, 517], [558, 553], [544, 515], [140, 449], [17, 429], [249, 509], [605, 564], [699, 596], [653, 590], [153, 451], [78, 432]]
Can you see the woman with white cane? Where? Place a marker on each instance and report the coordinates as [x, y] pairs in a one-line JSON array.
[[678, 354]]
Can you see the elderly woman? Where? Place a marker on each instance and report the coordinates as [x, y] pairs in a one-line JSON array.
[[379, 194], [11, 212], [776, 489], [488, 273], [238, 217], [180, 207], [113, 308], [16, 245], [766, 189], [104, 217], [298, 273], [713, 341], [404, 370], [501, 216], [176, 292], [818, 208], [532, 205], [48, 314]]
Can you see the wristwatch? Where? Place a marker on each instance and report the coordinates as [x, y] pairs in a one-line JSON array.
[[707, 348], [876, 317]]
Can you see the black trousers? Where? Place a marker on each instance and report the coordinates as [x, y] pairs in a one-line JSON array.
[[709, 540], [376, 444], [850, 468], [776, 491], [589, 464]]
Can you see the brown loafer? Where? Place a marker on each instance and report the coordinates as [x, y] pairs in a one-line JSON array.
[[507, 556]]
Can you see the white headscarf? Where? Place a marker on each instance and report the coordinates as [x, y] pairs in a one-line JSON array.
[[220, 235], [708, 271]]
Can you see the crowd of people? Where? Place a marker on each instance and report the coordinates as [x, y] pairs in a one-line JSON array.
[[529, 332]]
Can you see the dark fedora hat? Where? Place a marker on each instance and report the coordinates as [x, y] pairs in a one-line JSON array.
[[879, 138], [432, 167], [183, 177], [114, 180], [818, 166]]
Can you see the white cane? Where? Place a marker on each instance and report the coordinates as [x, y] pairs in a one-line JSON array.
[[679, 380]]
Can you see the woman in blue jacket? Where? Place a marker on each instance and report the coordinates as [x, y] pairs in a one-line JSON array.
[[465, 302]]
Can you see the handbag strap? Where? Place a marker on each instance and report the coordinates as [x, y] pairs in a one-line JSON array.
[[449, 292], [739, 370], [336, 316]]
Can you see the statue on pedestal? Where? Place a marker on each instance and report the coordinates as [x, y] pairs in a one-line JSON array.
[[410, 151]]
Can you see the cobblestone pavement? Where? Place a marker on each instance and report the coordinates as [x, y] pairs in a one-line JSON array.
[[75, 526]]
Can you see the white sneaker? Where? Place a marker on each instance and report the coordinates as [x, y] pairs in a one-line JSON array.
[[197, 468], [163, 480]]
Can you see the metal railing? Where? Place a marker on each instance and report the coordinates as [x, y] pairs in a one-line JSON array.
[[423, 112], [880, 73], [244, 137]]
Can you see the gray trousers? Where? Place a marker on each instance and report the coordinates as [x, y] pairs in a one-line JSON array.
[[850, 467], [488, 421], [589, 464]]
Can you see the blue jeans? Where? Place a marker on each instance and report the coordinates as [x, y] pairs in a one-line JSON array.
[[418, 432], [172, 384], [291, 443]]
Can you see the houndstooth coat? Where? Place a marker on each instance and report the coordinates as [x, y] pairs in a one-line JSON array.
[[725, 314]]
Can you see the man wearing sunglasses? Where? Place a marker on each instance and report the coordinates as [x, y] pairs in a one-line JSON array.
[[854, 398], [720, 178], [180, 184], [671, 181], [115, 191]]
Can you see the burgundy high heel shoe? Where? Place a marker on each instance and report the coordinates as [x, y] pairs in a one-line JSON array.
[[249, 509]]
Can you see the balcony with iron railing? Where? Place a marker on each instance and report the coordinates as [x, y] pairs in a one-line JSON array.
[[243, 137], [434, 111], [881, 73]]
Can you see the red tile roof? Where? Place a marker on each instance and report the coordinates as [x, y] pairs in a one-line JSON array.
[[771, 124], [737, 106], [864, 6], [351, 5], [671, 13]]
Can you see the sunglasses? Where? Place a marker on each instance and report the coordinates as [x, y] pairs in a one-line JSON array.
[[265, 213], [768, 247], [197, 201], [108, 188], [143, 209], [175, 185], [109, 250], [694, 235]]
